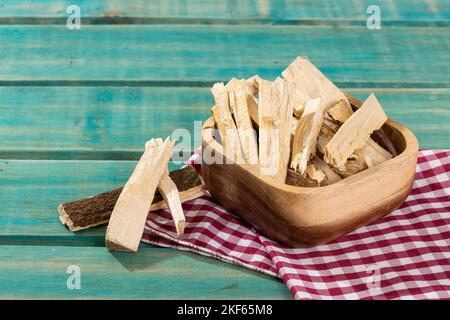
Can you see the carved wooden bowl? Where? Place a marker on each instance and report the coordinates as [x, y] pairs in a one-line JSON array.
[[305, 217]]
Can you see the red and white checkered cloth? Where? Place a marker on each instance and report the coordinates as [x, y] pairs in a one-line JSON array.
[[405, 255]]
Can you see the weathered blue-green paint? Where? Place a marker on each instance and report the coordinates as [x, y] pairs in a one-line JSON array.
[[395, 56], [152, 273], [392, 10], [113, 123]]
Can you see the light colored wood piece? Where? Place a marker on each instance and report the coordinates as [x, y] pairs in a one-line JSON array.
[[286, 93], [314, 83], [305, 138], [220, 126], [169, 192], [229, 134], [267, 117], [301, 98], [340, 112], [327, 131], [373, 153], [315, 174], [305, 217], [275, 121], [247, 135], [355, 132], [127, 221], [354, 164], [330, 176]]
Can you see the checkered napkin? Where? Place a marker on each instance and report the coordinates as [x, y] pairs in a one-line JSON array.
[[405, 255]]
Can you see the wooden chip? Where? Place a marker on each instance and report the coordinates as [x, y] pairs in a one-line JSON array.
[[315, 174], [127, 221], [340, 112], [354, 164], [327, 131], [374, 154], [275, 121], [355, 132], [244, 125], [169, 192], [220, 126], [287, 98], [330, 176], [306, 134], [267, 115], [96, 210], [314, 83], [301, 98], [229, 133]]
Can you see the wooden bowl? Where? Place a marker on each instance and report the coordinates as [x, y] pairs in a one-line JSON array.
[[305, 217]]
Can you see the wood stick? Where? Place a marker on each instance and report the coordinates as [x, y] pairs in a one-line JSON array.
[[96, 210], [355, 132], [126, 225], [380, 136], [229, 136], [287, 96], [267, 115], [169, 191], [305, 138], [313, 82], [247, 134], [220, 126], [371, 152], [251, 87], [275, 121]]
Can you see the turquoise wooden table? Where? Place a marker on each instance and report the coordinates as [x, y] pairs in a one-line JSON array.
[[76, 107]]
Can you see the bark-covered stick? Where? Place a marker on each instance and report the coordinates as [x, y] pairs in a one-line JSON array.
[[96, 210]]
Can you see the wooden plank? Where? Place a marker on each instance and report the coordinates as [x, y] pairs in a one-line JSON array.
[[39, 272], [80, 122], [403, 10], [197, 54], [98, 119]]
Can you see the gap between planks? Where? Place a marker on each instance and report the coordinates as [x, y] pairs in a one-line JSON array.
[[363, 85], [274, 22]]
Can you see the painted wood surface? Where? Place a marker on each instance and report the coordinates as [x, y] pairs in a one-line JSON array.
[[113, 123], [242, 10], [193, 55], [152, 273]]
